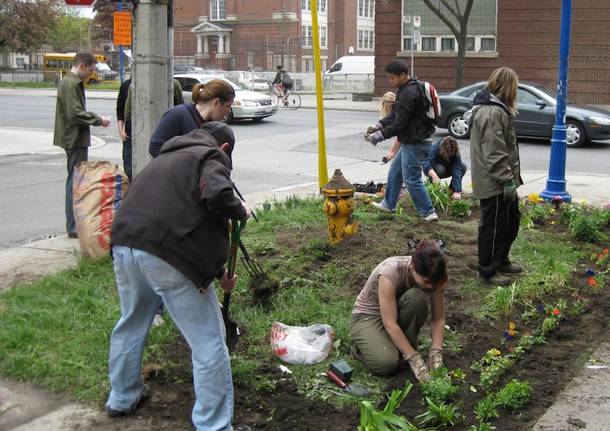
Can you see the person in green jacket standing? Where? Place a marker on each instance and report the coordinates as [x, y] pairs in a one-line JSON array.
[[72, 121], [496, 174]]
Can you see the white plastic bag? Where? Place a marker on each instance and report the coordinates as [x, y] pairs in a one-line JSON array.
[[301, 345]]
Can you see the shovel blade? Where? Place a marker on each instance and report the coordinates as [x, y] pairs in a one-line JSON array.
[[232, 331]]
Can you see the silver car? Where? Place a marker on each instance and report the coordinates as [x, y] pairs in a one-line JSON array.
[[248, 105]]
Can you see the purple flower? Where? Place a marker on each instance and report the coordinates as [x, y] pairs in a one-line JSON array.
[[590, 272], [508, 336], [540, 308]]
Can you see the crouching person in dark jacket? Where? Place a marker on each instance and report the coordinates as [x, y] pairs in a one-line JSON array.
[[169, 242]]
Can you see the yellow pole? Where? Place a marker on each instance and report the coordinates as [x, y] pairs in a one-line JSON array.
[[322, 167]]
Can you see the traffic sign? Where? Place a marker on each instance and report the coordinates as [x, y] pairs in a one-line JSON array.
[[416, 21], [80, 3], [122, 28], [416, 37], [406, 19]]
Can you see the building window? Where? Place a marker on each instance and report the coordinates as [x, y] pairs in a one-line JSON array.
[[307, 35], [366, 39], [488, 44], [470, 43], [323, 38], [366, 8], [217, 9], [428, 44], [447, 44], [306, 5], [406, 44]]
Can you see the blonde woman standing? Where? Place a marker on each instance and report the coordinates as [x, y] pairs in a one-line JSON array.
[[387, 104], [494, 155]]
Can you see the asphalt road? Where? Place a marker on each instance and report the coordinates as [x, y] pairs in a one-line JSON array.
[[280, 152]]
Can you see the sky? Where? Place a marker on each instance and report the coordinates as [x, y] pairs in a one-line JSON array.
[[86, 12]]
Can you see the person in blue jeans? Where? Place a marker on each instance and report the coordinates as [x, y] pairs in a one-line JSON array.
[[444, 161], [409, 123], [170, 241]]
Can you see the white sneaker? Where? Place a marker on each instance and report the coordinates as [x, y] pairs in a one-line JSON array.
[[431, 217], [382, 207], [158, 320]]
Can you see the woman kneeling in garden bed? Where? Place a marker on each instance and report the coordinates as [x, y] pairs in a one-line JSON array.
[[393, 306]]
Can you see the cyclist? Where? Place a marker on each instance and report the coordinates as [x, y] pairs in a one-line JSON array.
[[278, 82]]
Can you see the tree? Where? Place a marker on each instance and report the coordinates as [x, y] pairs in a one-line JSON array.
[[457, 21], [26, 25], [104, 17], [71, 32]]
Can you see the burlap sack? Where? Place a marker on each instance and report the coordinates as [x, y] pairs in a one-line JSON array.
[[98, 188]]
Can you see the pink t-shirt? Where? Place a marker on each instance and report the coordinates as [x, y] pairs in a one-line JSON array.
[[394, 269]]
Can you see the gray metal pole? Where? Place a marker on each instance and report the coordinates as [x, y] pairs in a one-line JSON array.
[[150, 78]]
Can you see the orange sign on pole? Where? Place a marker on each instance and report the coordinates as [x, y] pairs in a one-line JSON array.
[[122, 28]]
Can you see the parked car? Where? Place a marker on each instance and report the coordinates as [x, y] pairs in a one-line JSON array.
[[536, 116], [247, 104], [188, 68], [105, 72], [254, 81]]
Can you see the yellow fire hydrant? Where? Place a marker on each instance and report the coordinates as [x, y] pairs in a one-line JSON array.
[[338, 207]]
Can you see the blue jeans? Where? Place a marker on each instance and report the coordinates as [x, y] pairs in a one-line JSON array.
[[142, 281], [407, 167]]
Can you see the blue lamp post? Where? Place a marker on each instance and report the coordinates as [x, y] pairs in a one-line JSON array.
[[556, 182]]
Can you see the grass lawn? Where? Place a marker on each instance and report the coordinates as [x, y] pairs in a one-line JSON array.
[[55, 332]]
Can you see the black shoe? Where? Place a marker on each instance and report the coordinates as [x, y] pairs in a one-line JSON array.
[[510, 268], [72, 235], [118, 413]]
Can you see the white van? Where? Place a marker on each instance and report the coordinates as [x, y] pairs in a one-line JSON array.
[[352, 64]]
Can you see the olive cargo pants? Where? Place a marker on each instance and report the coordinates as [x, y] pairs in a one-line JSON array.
[[372, 341]]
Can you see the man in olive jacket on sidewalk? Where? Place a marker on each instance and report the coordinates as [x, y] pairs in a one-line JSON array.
[[72, 123]]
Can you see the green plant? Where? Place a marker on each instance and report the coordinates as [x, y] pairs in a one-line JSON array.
[[439, 195], [486, 409], [319, 248], [386, 419], [585, 227], [483, 426], [514, 395], [439, 414], [439, 387], [459, 208]]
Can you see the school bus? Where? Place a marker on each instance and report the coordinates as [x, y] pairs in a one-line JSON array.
[[56, 65]]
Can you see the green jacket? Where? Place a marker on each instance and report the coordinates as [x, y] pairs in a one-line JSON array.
[[178, 98], [72, 120], [494, 153]]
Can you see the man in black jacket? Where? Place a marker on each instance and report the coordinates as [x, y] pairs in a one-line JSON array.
[[169, 242], [124, 125], [407, 121]]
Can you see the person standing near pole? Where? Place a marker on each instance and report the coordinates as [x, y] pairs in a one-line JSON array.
[[496, 174], [170, 241], [408, 121], [124, 125], [72, 122]]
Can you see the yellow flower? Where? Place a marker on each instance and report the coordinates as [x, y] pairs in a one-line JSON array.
[[534, 198], [495, 352]]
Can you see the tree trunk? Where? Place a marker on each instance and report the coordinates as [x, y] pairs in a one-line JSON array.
[[459, 78]]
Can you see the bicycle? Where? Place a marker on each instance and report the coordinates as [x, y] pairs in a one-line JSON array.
[[283, 97]]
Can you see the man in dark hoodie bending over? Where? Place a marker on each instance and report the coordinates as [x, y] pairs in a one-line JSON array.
[[170, 241]]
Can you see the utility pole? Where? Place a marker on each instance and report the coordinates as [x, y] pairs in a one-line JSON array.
[[282, 31], [150, 98]]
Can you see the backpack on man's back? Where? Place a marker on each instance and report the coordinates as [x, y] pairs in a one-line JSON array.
[[287, 81], [432, 103]]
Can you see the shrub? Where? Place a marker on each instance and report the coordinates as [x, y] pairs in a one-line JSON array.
[[486, 409], [514, 395], [459, 208], [439, 387], [585, 227]]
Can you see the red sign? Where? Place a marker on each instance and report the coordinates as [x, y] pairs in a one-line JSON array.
[[80, 3]]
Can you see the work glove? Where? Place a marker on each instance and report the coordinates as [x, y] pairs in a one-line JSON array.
[[418, 366], [372, 129], [435, 359], [375, 137], [509, 191]]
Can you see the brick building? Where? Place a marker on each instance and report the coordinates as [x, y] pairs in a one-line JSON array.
[[239, 35], [521, 34]]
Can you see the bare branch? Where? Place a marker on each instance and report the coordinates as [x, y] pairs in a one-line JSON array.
[[443, 18]]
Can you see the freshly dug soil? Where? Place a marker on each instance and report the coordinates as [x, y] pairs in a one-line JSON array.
[[548, 368]]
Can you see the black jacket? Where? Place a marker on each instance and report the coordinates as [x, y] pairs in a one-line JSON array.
[[408, 120], [178, 207], [122, 99]]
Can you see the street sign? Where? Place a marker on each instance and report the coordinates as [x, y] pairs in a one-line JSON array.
[[416, 21], [80, 3], [416, 37], [122, 28], [406, 19]]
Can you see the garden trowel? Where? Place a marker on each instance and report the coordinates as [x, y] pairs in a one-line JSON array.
[[353, 388]]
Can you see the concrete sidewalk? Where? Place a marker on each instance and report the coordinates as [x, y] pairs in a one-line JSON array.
[[584, 404]]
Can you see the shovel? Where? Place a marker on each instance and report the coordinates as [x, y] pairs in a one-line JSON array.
[[231, 328], [354, 388]]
